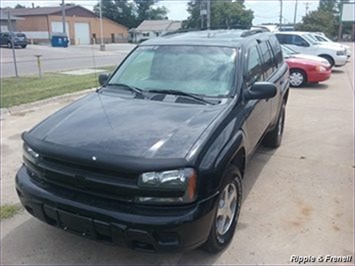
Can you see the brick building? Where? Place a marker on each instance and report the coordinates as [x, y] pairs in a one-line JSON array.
[[82, 25]]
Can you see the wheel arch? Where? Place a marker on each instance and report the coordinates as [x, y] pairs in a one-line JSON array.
[[325, 56]]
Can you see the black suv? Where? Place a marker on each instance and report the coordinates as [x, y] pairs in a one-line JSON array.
[[155, 158], [19, 39]]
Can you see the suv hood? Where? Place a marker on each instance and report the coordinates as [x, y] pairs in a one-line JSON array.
[[115, 125]]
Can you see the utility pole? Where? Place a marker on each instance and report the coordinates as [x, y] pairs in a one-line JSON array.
[[102, 45], [280, 14], [63, 16], [208, 14], [12, 42], [295, 17], [307, 7]]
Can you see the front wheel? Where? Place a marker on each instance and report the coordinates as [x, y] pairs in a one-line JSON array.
[[9, 45], [273, 138], [23, 46], [297, 78], [227, 213]]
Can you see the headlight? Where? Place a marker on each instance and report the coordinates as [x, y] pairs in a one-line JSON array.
[[341, 52], [30, 151], [183, 180], [321, 68]]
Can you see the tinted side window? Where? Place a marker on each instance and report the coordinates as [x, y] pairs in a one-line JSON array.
[[284, 38], [276, 48], [254, 70], [267, 66], [298, 40]]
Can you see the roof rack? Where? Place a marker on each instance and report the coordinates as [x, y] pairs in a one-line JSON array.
[[246, 31]]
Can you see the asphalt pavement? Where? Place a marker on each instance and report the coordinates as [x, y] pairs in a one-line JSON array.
[[299, 199], [55, 59]]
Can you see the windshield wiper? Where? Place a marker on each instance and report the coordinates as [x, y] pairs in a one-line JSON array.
[[181, 93], [136, 90]]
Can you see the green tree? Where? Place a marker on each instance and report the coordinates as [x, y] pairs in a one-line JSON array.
[[131, 14], [328, 5], [19, 6], [146, 10], [319, 20], [224, 14]]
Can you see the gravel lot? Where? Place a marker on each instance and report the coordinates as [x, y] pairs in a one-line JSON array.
[[299, 199]]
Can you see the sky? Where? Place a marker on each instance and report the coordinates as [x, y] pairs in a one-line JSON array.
[[264, 10]]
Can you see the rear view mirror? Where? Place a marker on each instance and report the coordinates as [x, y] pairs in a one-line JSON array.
[[103, 78], [260, 90]]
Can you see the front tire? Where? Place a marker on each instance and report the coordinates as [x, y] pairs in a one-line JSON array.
[[297, 78], [9, 45], [273, 138], [227, 212], [329, 59], [23, 46]]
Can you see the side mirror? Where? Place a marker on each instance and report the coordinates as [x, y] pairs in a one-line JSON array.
[[260, 90], [103, 78]]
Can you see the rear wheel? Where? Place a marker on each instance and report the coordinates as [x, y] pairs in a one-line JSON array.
[[23, 46], [297, 78], [273, 138], [227, 213]]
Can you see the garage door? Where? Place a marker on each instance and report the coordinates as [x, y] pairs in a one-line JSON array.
[[82, 33]]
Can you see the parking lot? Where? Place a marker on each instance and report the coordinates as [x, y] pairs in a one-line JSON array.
[[299, 199], [60, 59]]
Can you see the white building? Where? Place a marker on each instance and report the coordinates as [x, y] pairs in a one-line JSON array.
[[149, 29]]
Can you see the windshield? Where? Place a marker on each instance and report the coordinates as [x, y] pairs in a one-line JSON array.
[[310, 38], [287, 51], [207, 71]]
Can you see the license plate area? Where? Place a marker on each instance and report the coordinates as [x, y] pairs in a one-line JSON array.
[[76, 224]]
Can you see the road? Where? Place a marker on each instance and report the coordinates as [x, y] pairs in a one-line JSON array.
[[298, 199], [59, 59]]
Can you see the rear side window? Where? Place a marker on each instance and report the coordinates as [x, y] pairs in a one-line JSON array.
[[254, 69], [268, 62], [276, 48]]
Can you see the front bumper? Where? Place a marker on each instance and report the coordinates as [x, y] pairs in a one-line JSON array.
[[314, 76], [149, 231], [340, 60]]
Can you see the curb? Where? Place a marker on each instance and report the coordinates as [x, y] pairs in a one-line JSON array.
[[5, 112]]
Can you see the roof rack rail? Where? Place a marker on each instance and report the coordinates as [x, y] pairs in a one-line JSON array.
[[247, 31]]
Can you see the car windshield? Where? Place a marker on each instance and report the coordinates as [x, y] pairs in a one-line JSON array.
[[311, 39], [287, 51], [202, 70]]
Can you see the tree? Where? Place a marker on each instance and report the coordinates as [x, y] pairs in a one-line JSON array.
[[224, 14], [131, 14], [146, 10], [19, 6], [319, 20], [325, 19]]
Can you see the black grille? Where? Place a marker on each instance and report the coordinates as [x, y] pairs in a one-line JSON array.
[[82, 180]]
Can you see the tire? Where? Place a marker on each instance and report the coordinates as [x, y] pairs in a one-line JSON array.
[[297, 78], [273, 138], [9, 45], [23, 46], [225, 220], [329, 59]]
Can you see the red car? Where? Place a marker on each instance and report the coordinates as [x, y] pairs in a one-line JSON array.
[[305, 70]]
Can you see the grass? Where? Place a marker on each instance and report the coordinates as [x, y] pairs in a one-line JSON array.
[[27, 89], [8, 211]]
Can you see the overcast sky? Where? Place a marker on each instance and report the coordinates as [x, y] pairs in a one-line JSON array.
[[264, 10]]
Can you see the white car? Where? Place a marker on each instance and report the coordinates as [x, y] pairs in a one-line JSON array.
[[324, 39], [302, 43], [291, 53]]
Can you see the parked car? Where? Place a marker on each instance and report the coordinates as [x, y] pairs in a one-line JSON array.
[[155, 158], [324, 39], [303, 43], [293, 54], [19, 39], [303, 70]]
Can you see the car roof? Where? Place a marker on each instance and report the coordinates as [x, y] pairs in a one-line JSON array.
[[224, 38], [294, 32]]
